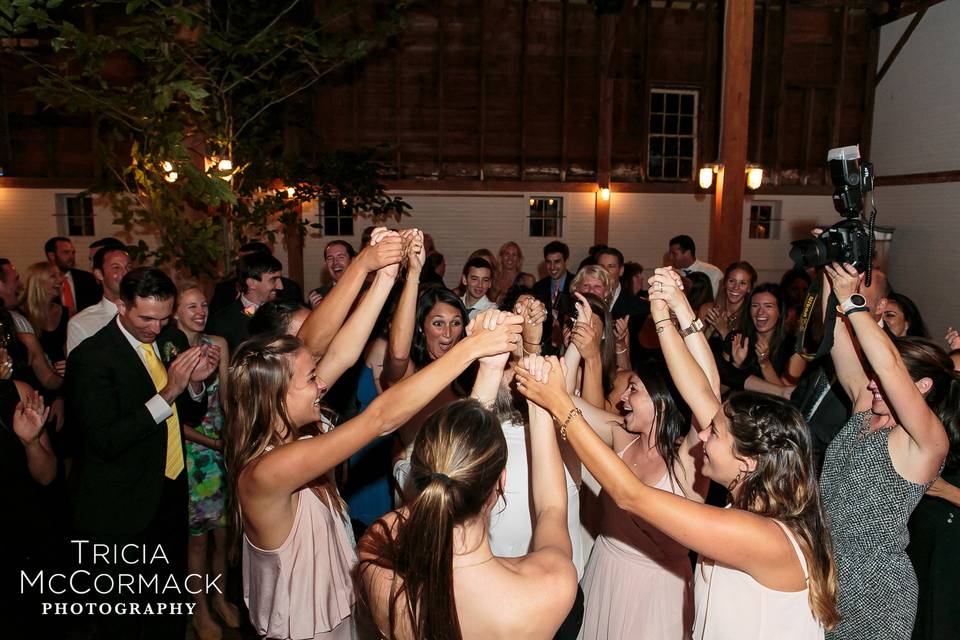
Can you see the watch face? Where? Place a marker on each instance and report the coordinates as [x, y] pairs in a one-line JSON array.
[[858, 300]]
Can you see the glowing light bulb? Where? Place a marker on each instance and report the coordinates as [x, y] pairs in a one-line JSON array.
[[754, 177], [167, 166], [605, 193], [225, 165], [706, 177], [171, 176]]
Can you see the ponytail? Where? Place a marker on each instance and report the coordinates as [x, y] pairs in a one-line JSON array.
[[456, 465]]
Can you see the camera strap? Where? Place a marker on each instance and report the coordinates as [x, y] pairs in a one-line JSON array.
[[810, 307]]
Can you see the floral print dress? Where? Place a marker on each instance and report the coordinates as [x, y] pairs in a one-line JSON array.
[[205, 469]]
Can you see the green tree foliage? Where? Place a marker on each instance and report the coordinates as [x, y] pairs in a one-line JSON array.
[[170, 84]]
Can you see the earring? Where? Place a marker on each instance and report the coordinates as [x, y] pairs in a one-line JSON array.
[[736, 481]]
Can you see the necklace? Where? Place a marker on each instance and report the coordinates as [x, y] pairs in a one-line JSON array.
[[475, 564]]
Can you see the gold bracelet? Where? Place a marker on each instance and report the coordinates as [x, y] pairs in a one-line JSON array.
[[663, 320], [566, 423]]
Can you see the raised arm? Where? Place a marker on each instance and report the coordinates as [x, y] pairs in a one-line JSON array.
[[29, 418], [284, 470], [901, 392], [698, 382], [741, 539], [586, 337], [349, 342], [397, 361], [547, 482], [490, 372], [323, 323]]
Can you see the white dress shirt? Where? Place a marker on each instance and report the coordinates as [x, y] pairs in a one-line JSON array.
[[478, 307], [712, 272], [88, 322]]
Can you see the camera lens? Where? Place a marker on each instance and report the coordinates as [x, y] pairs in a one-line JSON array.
[[808, 253]]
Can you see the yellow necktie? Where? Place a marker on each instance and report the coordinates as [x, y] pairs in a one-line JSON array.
[[158, 374]]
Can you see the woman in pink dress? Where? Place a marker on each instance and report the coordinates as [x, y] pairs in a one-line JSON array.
[[766, 569], [638, 583], [297, 553]]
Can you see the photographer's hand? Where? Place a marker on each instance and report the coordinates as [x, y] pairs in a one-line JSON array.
[[844, 279]]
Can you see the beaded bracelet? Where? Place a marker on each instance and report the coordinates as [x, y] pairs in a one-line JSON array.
[[566, 423]]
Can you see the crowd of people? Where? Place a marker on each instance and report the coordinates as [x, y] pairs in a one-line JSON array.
[[600, 453]]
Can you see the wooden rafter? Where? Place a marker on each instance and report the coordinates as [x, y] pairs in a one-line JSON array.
[[901, 43]]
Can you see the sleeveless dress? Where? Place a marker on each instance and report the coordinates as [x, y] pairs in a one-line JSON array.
[[205, 468], [511, 521], [303, 588], [366, 487], [638, 582], [731, 605], [868, 505]]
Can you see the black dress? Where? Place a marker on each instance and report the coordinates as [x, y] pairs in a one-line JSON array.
[[934, 541]]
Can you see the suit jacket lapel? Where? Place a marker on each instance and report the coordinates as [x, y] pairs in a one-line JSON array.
[[126, 358]]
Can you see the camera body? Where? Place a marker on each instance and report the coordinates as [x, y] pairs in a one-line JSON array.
[[848, 240]]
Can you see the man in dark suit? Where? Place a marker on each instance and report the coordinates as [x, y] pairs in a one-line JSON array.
[[130, 394], [227, 291], [552, 291], [623, 302], [80, 289], [258, 275]]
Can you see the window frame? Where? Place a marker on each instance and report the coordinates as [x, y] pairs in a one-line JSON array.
[[693, 135], [342, 205], [85, 223], [532, 201], [776, 217]]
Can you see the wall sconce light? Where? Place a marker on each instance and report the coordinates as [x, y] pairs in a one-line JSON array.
[[707, 172], [291, 192], [532, 202], [605, 194], [754, 176]]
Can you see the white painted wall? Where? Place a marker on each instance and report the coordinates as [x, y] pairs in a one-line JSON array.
[[640, 226], [916, 129]]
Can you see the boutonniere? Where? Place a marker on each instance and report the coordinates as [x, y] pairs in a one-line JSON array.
[[249, 310], [170, 351]]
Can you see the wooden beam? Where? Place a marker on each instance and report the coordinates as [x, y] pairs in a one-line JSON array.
[[781, 113], [564, 86], [397, 71], [441, 42], [523, 90], [645, 102], [727, 220], [807, 130], [841, 77], [869, 91], [454, 186], [293, 238], [6, 145], [899, 46], [483, 86], [929, 177], [761, 107], [904, 9]]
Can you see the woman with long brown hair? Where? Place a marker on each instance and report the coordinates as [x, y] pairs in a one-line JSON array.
[[729, 311], [427, 570], [877, 468], [297, 552], [765, 566]]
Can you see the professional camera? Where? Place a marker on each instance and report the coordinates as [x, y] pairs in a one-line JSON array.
[[848, 240]]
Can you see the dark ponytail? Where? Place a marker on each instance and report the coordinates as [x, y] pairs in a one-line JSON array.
[[924, 358], [457, 460]]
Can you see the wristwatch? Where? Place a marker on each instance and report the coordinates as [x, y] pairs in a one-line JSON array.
[[695, 326], [856, 301]]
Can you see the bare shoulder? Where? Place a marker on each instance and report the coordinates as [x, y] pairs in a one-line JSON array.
[[220, 342]]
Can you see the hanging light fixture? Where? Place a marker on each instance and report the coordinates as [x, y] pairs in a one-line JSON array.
[[754, 176], [605, 194], [707, 172]]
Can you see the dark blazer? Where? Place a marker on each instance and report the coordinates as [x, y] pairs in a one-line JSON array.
[[88, 290], [542, 290], [226, 292], [230, 323], [120, 470]]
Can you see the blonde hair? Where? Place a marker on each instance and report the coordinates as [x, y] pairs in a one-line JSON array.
[[594, 271], [511, 243], [35, 301]]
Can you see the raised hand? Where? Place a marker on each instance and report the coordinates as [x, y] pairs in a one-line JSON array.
[[533, 313], [29, 418], [314, 299], [586, 338], [740, 350], [416, 253], [541, 380], [584, 311], [209, 361], [719, 319], [385, 248], [953, 339], [494, 333], [667, 285], [844, 279]]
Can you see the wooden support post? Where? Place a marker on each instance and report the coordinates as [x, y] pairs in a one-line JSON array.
[[441, 43], [727, 220], [841, 78], [523, 91], [565, 99], [294, 245], [608, 30]]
